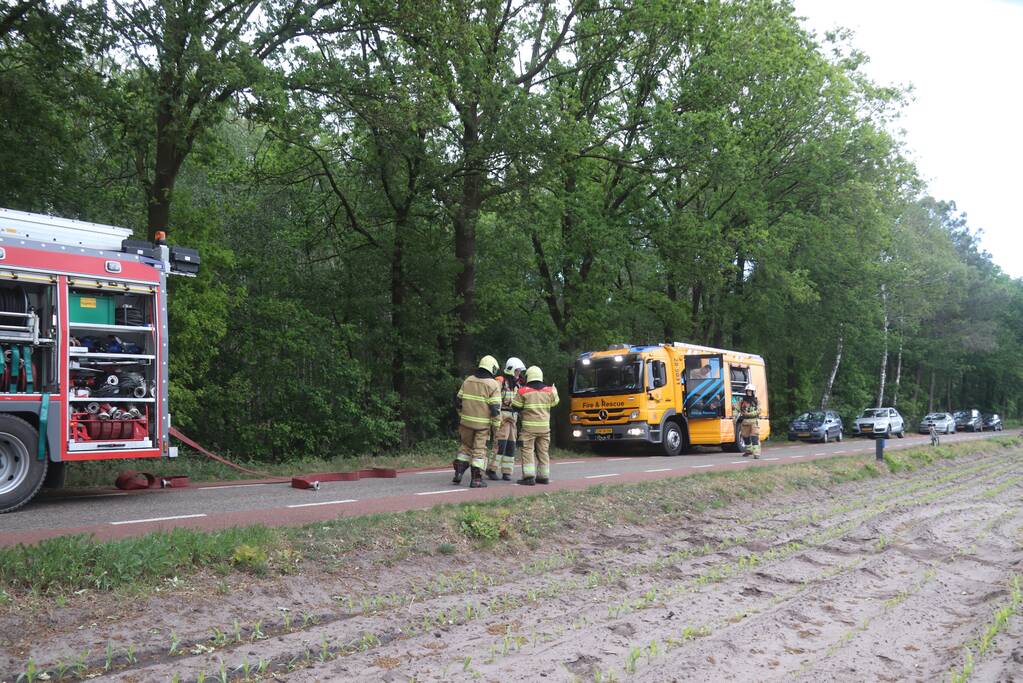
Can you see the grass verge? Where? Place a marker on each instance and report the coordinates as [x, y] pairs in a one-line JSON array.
[[67, 564]]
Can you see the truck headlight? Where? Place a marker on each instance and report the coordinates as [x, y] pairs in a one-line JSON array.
[[635, 431], [575, 417], [577, 433], [634, 415]]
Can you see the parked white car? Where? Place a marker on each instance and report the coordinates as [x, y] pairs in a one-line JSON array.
[[883, 422], [943, 423]]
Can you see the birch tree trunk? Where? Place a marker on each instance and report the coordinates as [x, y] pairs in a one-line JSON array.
[[898, 376], [884, 353], [826, 397]]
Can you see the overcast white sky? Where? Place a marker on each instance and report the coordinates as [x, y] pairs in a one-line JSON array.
[[964, 128]]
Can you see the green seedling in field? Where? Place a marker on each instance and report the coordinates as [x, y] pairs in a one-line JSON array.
[[324, 649], [967, 670], [257, 632], [109, 657], [237, 631], [176, 678], [200, 677], [631, 659], [129, 655], [174, 643], [218, 637], [222, 674], [466, 663], [30, 675]]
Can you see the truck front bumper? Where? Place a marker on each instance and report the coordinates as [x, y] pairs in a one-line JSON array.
[[630, 431]]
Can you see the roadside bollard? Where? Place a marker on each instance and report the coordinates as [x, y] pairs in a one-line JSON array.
[[879, 449]]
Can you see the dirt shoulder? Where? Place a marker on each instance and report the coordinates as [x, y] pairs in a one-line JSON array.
[[885, 578]]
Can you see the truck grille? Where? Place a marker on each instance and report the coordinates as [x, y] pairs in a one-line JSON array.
[[603, 415]]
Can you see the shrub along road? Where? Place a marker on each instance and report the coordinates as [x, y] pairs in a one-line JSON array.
[[110, 515]]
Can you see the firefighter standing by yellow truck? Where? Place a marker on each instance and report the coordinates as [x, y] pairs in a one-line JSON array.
[[503, 457], [535, 401], [749, 413], [479, 415]]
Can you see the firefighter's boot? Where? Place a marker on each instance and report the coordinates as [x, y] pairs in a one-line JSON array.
[[527, 481], [543, 480], [460, 467], [506, 477], [492, 475], [477, 479]]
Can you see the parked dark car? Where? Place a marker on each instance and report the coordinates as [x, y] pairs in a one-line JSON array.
[[969, 419], [816, 425], [993, 422]]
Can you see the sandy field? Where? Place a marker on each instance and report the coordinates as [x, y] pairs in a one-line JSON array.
[[913, 577]]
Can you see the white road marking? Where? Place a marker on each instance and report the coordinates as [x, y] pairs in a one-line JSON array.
[[600, 476], [739, 462], [797, 456], [770, 458], [617, 459], [570, 462], [435, 471], [695, 467], [663, 469], [841, 451], [325, 502], [820, 453], [431, 493], [155, 519], [229, 486]]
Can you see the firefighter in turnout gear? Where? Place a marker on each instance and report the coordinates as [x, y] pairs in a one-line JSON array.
[[535, 401], [503, 458], [479, 414], [749, 429]]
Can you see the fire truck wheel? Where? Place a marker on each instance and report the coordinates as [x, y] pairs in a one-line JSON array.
[[673, 439], [21, 472]]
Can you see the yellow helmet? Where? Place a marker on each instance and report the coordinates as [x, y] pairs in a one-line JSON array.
[[534, 374], [489, 363]]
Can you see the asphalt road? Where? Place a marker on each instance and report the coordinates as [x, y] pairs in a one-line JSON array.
[[114, 514]]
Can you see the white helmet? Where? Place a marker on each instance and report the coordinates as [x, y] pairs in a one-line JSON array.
[[750, 387], [512, 365]]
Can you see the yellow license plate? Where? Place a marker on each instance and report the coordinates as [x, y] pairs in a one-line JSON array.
[[605, 430], [867, 428]]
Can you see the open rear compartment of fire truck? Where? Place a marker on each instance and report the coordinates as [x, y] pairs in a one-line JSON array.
[[112, 367], [27, 334]]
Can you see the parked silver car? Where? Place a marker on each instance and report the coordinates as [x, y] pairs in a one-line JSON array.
[[943, 423], [881, 422]]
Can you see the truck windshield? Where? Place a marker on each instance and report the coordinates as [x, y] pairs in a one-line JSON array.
[[608, 376]]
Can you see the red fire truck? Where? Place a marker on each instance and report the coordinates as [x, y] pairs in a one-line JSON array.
[[83, 348]]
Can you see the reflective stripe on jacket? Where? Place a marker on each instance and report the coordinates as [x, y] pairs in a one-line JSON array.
[[750, 410], [481, 402], [536, 405], [509, 387]]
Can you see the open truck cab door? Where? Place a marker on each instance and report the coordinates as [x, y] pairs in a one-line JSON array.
[[705, 387]]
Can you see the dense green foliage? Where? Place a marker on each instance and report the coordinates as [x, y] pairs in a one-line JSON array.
[[382, 191]]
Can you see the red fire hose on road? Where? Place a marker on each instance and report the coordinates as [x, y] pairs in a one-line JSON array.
[[133, 480]]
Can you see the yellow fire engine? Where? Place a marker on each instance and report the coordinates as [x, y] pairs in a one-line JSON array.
[[674, 395]]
